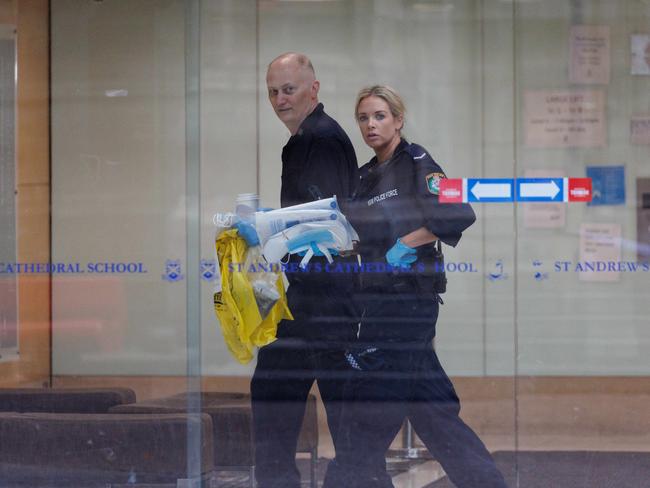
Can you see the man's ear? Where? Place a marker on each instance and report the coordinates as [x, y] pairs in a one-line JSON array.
[[315, 86]]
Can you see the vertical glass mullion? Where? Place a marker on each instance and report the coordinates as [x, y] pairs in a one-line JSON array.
[[193, 230], [515, 140]]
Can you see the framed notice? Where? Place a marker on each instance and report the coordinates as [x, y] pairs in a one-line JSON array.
[[640, 54], [607, 185], [643, 219], [565, 118], [640, 130], [600, 252], [589, 54]]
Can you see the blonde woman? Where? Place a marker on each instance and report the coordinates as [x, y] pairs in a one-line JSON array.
[[396, 373]]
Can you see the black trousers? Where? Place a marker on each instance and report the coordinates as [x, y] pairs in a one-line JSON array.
[[308, 349], [404, 379]]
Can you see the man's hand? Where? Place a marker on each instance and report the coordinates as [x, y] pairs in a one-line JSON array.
[[401, 255]]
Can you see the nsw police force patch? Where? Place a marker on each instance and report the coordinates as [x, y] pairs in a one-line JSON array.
[[433, 182]]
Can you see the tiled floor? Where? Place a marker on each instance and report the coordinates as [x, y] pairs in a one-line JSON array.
[[421, 475]]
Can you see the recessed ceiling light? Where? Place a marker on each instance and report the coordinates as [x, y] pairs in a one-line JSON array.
[[116, 93]]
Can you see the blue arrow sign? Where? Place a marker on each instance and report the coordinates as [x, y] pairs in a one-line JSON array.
[[490, 190], [540, 189]]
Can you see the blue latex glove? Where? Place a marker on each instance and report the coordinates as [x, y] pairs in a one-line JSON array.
[[248, 232], [311, 238], [317, 252], [401, 255]]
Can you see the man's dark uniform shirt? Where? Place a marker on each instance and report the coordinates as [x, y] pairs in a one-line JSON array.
[[317, 162]]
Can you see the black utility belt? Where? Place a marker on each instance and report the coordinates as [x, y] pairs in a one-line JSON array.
[[427, 275], [341, 271], [401, 285]]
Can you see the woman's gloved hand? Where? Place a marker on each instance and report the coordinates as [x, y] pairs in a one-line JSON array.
[[248, 232], [401, 255]]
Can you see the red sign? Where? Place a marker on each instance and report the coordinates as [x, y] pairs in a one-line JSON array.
[[580, 189], [451, 190]]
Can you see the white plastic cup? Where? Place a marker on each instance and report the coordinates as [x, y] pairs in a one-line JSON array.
[[246, 205]]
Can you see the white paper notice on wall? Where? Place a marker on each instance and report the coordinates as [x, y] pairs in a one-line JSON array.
[[640, 130], [565, 118], [600, 252], [544, 215], [589, 61], [640, 54]]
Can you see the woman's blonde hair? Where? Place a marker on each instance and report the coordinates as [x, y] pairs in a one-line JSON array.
[[386, 93]]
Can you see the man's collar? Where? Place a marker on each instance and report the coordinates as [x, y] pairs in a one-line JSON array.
[[310, 120]]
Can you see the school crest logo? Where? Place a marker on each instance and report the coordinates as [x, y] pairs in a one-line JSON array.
[[208, 269], [433, 182], [173, 271]]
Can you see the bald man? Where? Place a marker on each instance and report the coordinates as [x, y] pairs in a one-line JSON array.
[[318, 161]]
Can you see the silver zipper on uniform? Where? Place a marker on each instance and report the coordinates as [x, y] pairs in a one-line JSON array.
[[363, 314]]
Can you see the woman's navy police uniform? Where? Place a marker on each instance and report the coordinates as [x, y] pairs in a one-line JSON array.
[[396, 372]]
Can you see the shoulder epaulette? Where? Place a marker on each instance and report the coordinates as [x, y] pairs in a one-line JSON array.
[[417, 152]]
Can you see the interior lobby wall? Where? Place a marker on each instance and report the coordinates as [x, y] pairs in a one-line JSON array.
[[118, 178], [463, 69], [588, 324]]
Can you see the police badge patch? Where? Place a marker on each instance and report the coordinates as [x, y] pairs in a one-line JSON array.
[[433, 182]]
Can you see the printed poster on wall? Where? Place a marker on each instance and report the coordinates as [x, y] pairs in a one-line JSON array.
[[640, 54], [589, 54], [607, 185], [643, 219], [600, 252], [565, 118], [640, 130], [544, 215]]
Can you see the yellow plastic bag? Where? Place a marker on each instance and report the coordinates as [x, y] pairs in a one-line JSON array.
[[235, 305]]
